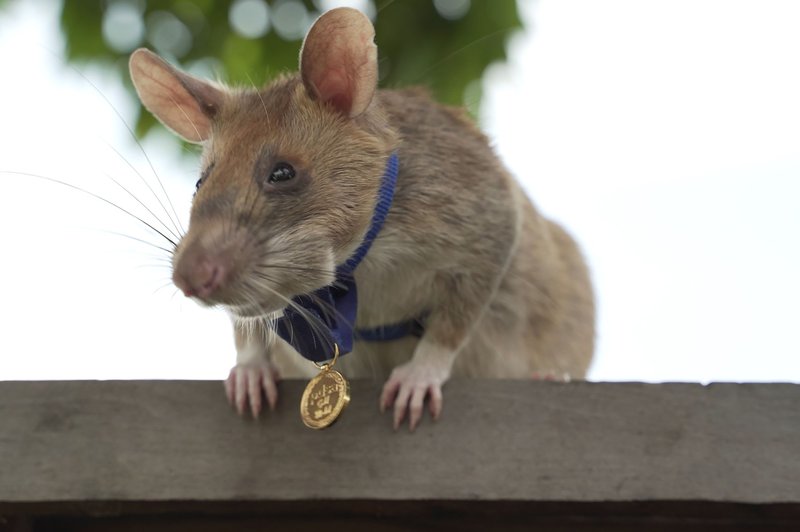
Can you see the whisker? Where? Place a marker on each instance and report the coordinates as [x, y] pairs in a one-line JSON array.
[[163, 286], [267, 266], [152, 266], [92, 194], [140, 240], [153, 192], [176, 221], [317, 327], [262, 323], [330, 310]]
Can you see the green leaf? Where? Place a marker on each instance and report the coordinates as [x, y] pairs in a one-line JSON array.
[[417, 46]]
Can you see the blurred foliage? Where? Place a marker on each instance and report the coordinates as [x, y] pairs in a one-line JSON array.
[[417, 44]]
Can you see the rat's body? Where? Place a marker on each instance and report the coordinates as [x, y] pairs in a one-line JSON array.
[[461, 226], [290, 181]]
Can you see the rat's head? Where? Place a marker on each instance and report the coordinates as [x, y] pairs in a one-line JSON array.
[[290, 173]]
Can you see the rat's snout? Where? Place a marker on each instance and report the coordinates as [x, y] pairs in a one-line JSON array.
[[200, 274], [209, 260]]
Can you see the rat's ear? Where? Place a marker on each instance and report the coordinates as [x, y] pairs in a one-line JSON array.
[[339, 60], [181, 102]]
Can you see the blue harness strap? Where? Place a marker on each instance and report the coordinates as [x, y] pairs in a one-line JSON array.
[[318, 321], [385, 198], [395, 331]]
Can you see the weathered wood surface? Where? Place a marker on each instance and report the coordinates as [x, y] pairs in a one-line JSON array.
[[157, 441]]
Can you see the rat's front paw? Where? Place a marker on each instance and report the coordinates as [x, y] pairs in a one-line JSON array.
[[245, 384], [407, 387]]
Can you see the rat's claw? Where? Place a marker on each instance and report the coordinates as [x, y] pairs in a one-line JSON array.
[[230, 386], [269, 380], [246, 383], [407, 388], [400, 405], [435, 402], [390, 390], [240, 401], [415, 406], [254, 392]]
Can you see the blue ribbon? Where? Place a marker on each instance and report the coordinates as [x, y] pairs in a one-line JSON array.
[[329, 314]]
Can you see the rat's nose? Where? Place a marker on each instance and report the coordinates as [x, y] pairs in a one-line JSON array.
[[201, 277]]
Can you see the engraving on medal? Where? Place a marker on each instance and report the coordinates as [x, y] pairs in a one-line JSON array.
[[324, 398]]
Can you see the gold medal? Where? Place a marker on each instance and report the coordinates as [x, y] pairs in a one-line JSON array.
[[325, 396]]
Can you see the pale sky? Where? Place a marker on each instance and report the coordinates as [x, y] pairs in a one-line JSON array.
[[665, 135]]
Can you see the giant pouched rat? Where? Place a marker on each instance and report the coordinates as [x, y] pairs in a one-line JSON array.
[[290, 180]]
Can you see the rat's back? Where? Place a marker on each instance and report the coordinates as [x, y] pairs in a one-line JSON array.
[[461, 224]]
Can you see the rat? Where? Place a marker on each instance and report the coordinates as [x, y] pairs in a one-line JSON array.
[[291, 175]]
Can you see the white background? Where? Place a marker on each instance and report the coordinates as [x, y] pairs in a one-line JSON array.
[[664, 134]]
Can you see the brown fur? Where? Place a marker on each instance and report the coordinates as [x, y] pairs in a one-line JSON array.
[[506, 286], [506, 291]]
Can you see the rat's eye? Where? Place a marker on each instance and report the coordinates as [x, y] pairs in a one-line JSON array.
[[203, 177], [281, 172]]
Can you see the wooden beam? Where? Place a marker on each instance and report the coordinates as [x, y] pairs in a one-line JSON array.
[[133, 447]]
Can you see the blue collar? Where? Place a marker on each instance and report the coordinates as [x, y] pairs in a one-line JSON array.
[[328, 315], [385, 197]]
